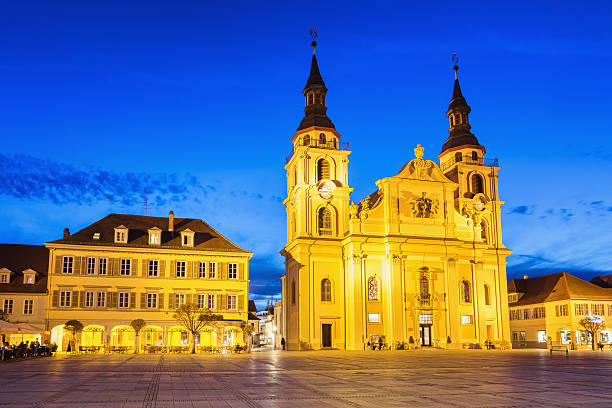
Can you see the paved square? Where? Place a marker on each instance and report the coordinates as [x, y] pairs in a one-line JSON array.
[[432, 378]]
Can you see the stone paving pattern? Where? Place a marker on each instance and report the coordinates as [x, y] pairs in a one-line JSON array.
[[431, 378]]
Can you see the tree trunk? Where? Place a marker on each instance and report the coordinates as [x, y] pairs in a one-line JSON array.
[[136, 343], [193, 343], [594, 339]]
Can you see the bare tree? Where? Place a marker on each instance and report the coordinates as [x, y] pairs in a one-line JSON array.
[[137, 325], [195, 319], [592, 325], [73, 326], [4, 315]]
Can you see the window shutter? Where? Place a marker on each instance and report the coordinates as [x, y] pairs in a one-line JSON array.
[[58, 265], [144, 268], [132, 300], [241, 271], [172, 300], [74, 302], [81, 299], [134, 266], [117, 266], [83, 268], [76, 267], [189, 271], [113, 299], [110, 266], [143, 300], [160, 300], [162, 269], [219, 301], [240, 305], [189, 298], [173, 269], [55, 300], [222, 273]]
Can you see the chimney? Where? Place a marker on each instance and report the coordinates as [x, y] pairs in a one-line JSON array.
[[66, 233], [171, 221], [525, 276]]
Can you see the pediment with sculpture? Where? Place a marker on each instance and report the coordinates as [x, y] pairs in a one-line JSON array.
[[421, 169]]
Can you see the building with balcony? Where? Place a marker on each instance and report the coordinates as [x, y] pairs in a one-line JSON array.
[[421, 258], [126, 267], [548, 309]]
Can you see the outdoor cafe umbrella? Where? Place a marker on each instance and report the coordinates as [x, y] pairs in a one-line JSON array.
[[26, 328], [8, 328]]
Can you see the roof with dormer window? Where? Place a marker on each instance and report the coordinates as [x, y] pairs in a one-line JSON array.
[[205, 237], [24, 258]]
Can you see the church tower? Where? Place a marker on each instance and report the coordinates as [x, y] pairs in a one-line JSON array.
[[462, 160], [317, 216]]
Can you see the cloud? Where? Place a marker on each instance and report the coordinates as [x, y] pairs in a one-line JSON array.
[[521, 209], [35, 179]]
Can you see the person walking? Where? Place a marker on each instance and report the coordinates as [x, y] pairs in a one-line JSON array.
[[283, 343]]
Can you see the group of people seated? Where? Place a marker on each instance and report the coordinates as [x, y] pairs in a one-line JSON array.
[[25, 350]]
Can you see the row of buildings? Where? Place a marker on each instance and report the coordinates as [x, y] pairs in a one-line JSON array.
[[122, 268]]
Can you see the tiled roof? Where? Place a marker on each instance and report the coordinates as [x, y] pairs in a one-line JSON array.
[[17, 258], [205, 238], [252, 306], [605, 281], [554, 287]]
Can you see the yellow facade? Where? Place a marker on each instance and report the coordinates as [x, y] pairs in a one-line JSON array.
[[108, 285], [421, 258]]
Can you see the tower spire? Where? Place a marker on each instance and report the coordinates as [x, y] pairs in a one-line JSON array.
[[314, 92], [458, 115]]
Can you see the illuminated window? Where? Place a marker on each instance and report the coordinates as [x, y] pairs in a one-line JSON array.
[[424, 287], [522, 336], [515, 336], [372, 288], [373, 318], [326, 292], [541, 336], [179, 299], [426, 319], [465, 292], [582, 309], [322, 170], [28, 279], [466, 319], [325, 221]]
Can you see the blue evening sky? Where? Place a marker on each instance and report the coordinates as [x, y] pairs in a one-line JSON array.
[[192, 105]]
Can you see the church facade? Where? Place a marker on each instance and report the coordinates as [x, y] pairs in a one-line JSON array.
[[420, 261]]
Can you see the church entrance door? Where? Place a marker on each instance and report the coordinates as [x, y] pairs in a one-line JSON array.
[[326, 335], [425, 330]]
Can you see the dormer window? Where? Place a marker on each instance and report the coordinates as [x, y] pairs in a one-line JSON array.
[[121, 235], [96, 236], [5, 275], [154, 236], [187, 238], [29, 277]]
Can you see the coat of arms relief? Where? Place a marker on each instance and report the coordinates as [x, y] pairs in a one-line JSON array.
[[424, 207]]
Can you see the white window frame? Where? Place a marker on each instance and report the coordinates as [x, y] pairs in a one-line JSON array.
[[5, 278], [232, 271], [542, 336], [67, 264], [201, 270], [232, 302], [65, 299], [27, 277], [101, 299], [8, 306], [121, 235], [125, 302], [28, 306], [212, 301], [181, 269], [125, 268], [212, 270], [91, 265], [179, 299], [202, 300], [102, 266], [152, 300], [89, 299], [153, 268]]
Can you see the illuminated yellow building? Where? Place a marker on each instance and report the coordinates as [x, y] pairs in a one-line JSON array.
[[126, 267], [548, 308], [421, 258]]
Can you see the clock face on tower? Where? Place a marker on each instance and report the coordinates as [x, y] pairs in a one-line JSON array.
[[326, 188], [479, 203]]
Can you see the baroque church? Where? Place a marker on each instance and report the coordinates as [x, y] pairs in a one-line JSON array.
[[418, 262]]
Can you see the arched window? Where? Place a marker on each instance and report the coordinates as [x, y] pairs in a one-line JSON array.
[[424, 287], [475, 156], [458, 156], [293, 292], [477, 184], [452, 120], [326, 295], [306, 140], [465, 292], [322, 139], [487, 294], [372, 288], [309, 100], [322, 170], [325, 221], [483, 231], [459, 118], [317, 98]]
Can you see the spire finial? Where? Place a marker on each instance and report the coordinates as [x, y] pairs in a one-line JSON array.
[[455, 61], [313, 34]]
